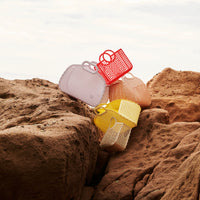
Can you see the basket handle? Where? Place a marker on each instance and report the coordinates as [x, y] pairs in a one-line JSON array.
[[109, 53], [112, 118], [87, 66], [129, 73], [100, 106], [123, 78]]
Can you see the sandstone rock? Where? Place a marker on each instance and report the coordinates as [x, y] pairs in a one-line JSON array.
[[48, 143], [161, 162], [187, 181], [178, 92], [87, 193]]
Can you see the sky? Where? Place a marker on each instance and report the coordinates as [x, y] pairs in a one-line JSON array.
[[41, 38]]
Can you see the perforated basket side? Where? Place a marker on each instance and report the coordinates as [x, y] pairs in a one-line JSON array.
[[116, 68]]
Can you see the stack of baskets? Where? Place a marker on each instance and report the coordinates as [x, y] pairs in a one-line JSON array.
[[96, 83]]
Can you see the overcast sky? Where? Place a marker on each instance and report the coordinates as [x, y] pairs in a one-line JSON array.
[[40, 39]]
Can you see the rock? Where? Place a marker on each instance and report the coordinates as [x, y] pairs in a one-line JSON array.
[[87, 193], [178, 92], [187, 181], [101, 164], [48, 143], [49, 147], [162, 161]]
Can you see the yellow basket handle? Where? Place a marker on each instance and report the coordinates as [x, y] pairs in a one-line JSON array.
[[100, 106]]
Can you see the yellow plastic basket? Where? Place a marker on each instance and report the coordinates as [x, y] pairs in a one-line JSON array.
[[124, 111]]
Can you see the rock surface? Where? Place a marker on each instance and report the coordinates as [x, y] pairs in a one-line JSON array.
[[48, 143], [162, 159], [178, 92], [49, 147]]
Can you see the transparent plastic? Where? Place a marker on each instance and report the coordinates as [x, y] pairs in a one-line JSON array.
[[84, 83], [116, 137], [130, 88]]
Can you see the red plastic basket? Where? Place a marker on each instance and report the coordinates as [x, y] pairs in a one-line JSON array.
[[113, 65]]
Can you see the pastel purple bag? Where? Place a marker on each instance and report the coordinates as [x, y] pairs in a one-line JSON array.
[[84, 83]]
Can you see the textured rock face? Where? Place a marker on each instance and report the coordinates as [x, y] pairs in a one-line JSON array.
[[48, 144], [178, 93], [162, 159]]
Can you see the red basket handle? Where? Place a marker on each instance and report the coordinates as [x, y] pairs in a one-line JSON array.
[[110, 53], [108, 50]]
